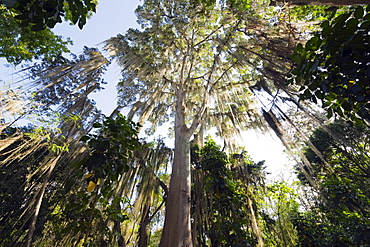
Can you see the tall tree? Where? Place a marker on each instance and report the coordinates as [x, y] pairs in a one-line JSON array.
[[187, 63], [200, 65], [280, 205]]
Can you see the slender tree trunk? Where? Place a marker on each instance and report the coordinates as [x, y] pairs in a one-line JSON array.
[[177, 227], [143, 229], [116, 223], [38, 202], [117, 229], [255, 225]]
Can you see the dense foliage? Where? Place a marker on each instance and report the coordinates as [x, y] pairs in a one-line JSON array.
[[232, 205], [220, 210], [24, 44], [97, 198], [39, 14], [332, 67], [70, 199]]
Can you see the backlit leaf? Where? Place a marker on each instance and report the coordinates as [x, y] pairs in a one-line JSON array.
[[91, 186]]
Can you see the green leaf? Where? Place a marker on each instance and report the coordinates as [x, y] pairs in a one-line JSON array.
[[319, 94], [325, 24], [307, 94], [313, 43], [326, 31], [360, 98], [97, 125], [81, 22], [331, 96], [359, 12], [326, 104], [365, 25], [367, 16], [352, 23], [346, 106], [355, 89], [329, 113], [339, 21], [38, 27], [84, 138], [67, 229], [299, 48]]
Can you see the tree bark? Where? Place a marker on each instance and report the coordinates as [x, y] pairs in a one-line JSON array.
[[177, 227], [117, 229], [143, 229], [255, 225], [324, 2]]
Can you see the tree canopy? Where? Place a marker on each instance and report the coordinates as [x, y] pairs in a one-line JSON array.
[[26, 27], [24, 44], [40, 14], [332, 67]]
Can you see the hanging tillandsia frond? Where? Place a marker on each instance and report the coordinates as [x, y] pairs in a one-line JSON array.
[[38, 153], [58, 102], [150, 192], [74, 189], [12, 105], [29, 162], [63, 87], [64, 84], [107, 192], [268, 44]]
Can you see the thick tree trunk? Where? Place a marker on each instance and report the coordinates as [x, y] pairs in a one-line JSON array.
[[324, 2], [177, 227]]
